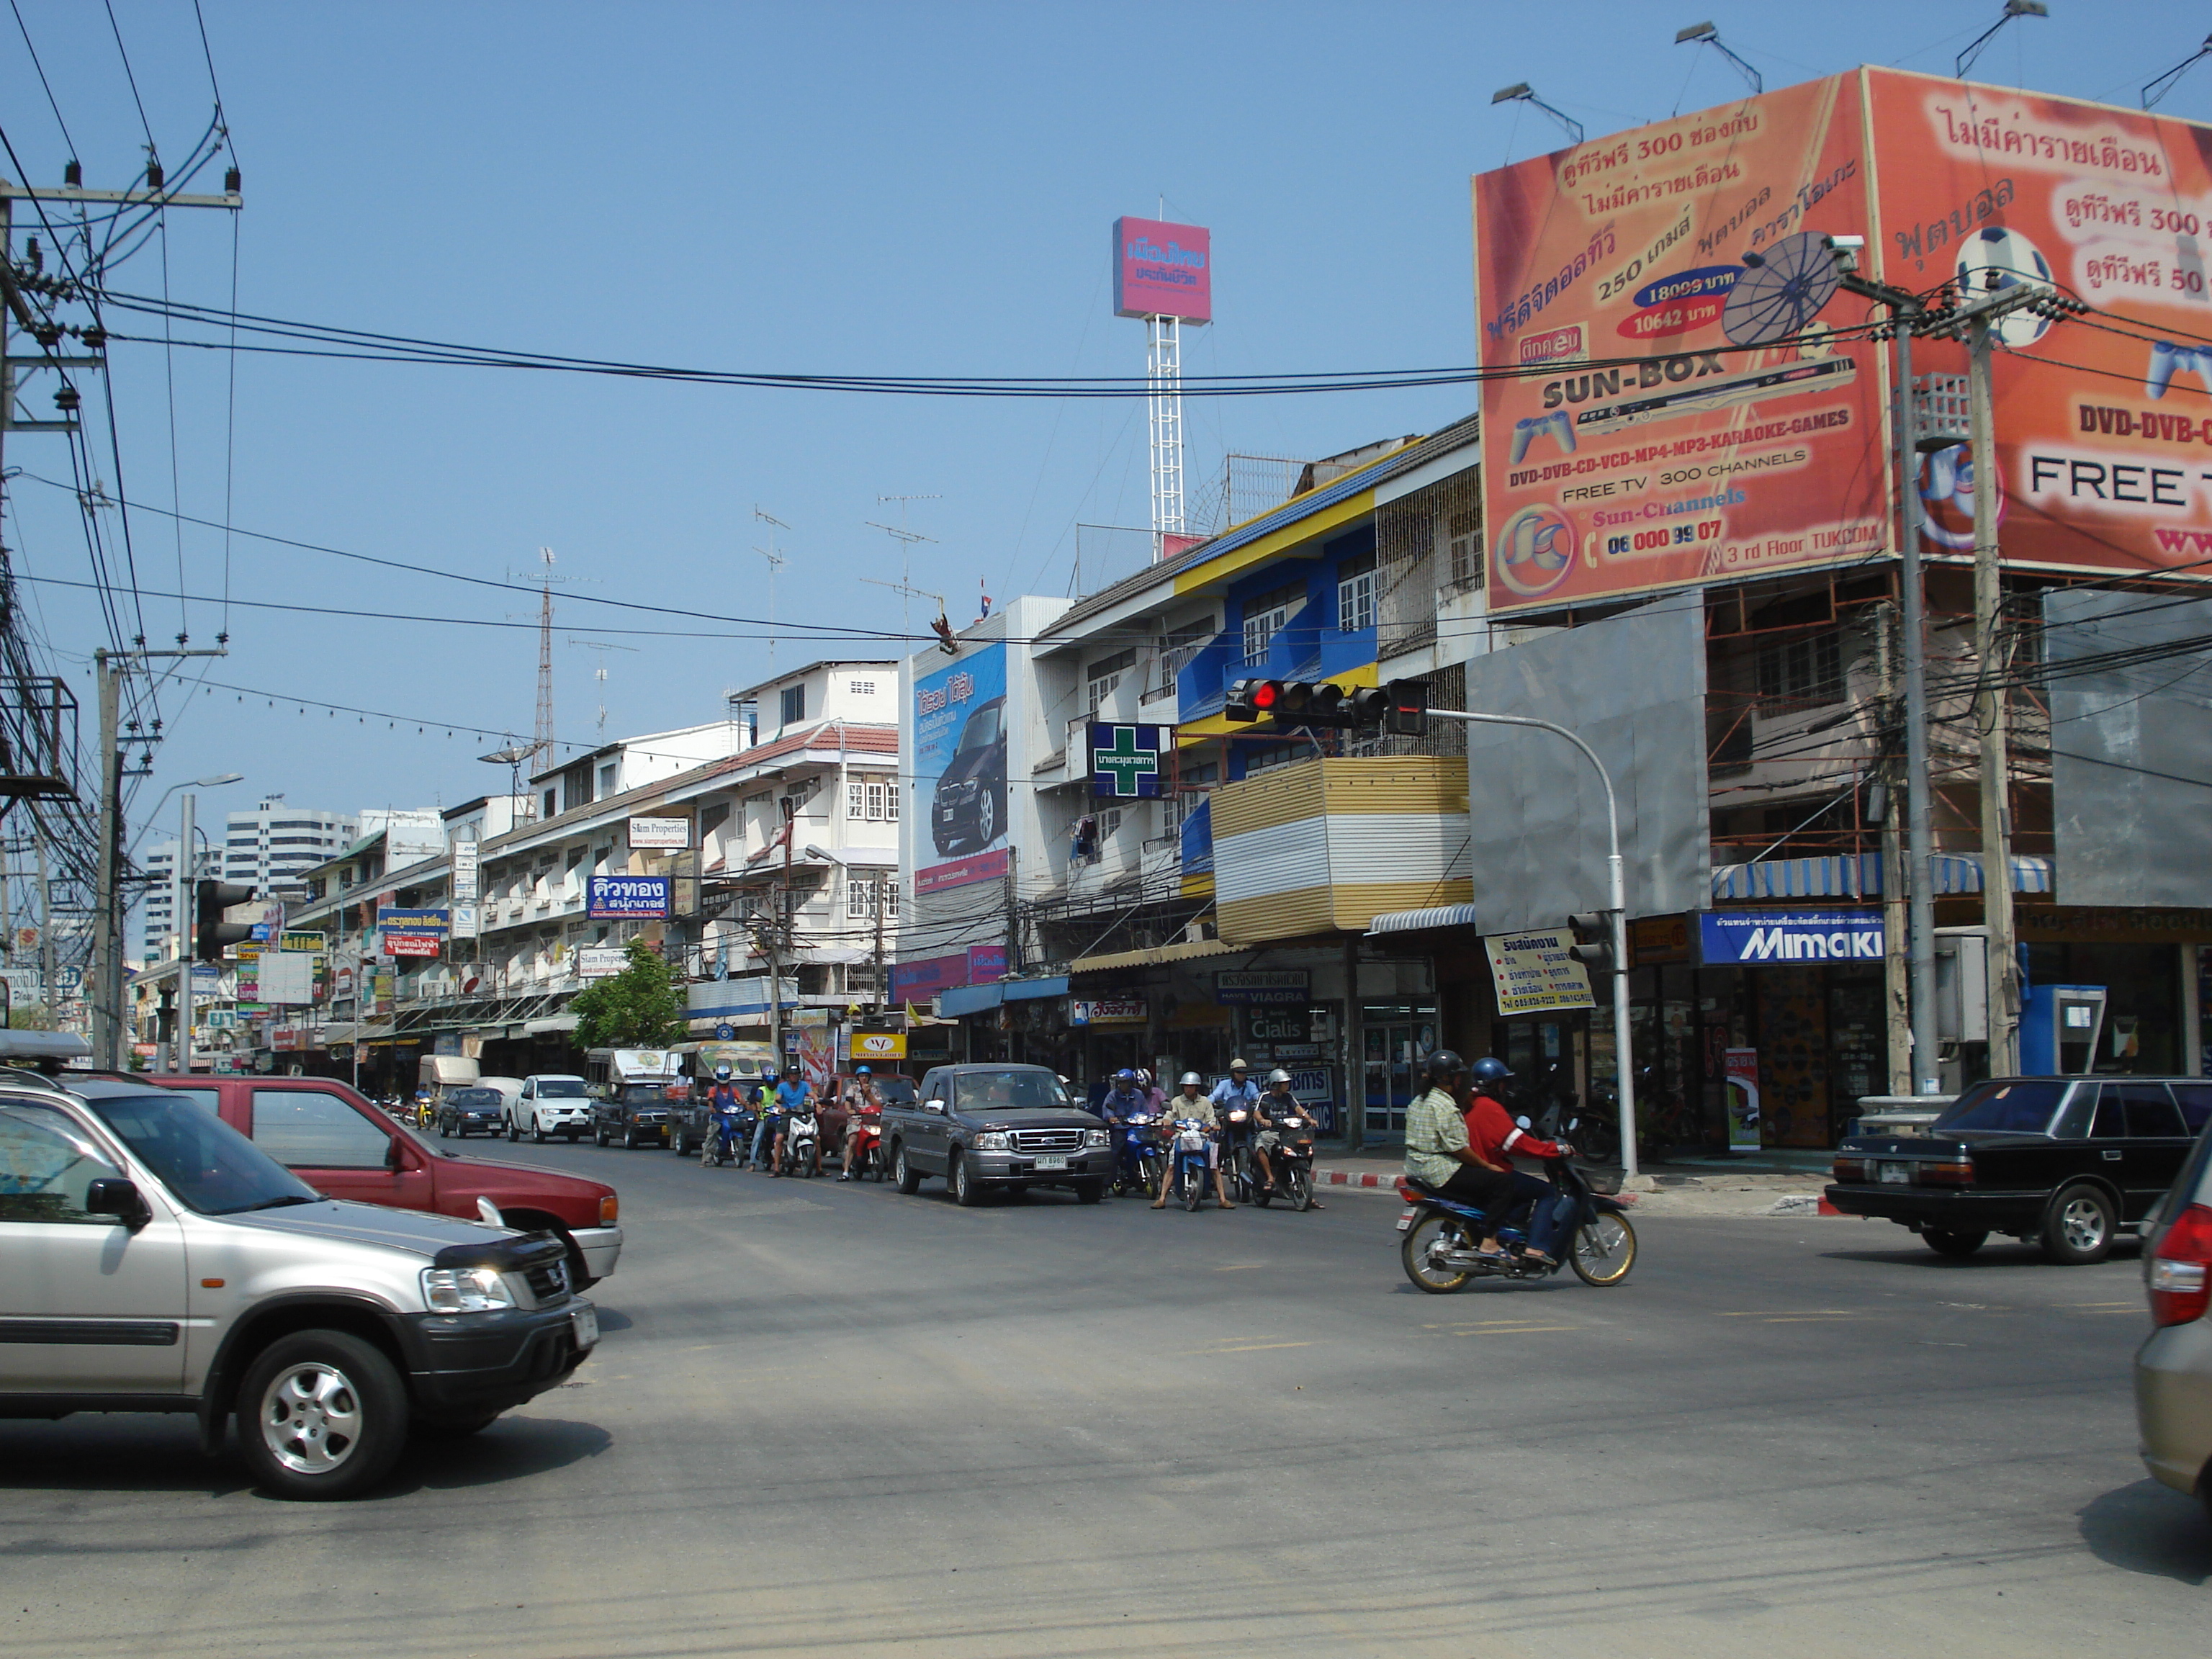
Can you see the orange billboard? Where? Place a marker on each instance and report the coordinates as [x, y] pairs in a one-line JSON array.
[[1672, 409], [1684, 394], [2104, 424]]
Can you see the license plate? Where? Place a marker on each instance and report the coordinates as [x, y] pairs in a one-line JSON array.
[[585, 1320], [1405, 1220], [1052, 1161], [1893, 1175]]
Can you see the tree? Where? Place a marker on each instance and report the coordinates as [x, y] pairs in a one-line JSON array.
[[643, 1006]]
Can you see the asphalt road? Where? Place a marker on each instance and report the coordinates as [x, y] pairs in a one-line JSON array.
[[830, 1417]]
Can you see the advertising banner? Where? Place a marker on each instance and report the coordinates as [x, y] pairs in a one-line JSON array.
[[468, 920], [1126, 762], [306, 939], [287, 978], [960, 765], [659, 834], [870, 1045], [464, 869], [979, 964], [434, 924], [597, 961], [1535, 973], [2104, 426], [1672, 410], [1742, 1078], [1162, 270], [626, 898], [412, 945], [1106, 1010], [1288, 988], [1752, 937]]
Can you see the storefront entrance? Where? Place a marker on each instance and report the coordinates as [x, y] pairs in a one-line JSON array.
[[1396, 1036]]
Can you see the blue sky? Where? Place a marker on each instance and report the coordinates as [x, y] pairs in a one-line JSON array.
[[899, 189]]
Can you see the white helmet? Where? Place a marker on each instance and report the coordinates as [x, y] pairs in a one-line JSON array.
[[1239, 1064], [1278, 1075], [1192, 1080]]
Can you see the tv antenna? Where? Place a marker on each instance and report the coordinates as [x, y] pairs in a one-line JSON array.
[[542, 735], [906, 539], [775, 563], [600, 647]]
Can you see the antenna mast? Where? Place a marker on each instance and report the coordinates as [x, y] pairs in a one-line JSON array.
[[542, 735], [775, 563]]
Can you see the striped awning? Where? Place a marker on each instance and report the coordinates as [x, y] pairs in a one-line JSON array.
[[1413, 921], [1848, 877]]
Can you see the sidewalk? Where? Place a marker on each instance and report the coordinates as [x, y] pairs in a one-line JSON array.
[[1708, 1188]]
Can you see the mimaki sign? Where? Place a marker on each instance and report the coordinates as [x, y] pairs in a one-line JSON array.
[[1757, 938]]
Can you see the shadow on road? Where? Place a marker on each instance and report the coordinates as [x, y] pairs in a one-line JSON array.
[[513, 1449], [1990, 1258], [2144, 1527]]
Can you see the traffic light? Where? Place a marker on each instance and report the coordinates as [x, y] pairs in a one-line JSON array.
[[1592, 946], [1253, 700], [1407, 712], [1400, 705], [211, 932]]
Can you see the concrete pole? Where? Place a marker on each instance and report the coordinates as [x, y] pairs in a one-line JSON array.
[[107, 986], [1918, 876], [1897, 1000], [187, 869], [1990, 717]]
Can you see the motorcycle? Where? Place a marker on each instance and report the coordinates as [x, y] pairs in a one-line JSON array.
[[1143, 1162], [1292, 1157], [729, 1138], [1190, 1168], [1440, 1248], [864, 1135], [1237, 1134], [802, 1138]]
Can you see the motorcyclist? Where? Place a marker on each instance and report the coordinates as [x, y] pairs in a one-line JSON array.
[[1125, 1100], [1236, 1089], [1189, 1104], [1498, 1138], [861, 1101], [764, 1103], [1437, 1151], [723, 1100], [1274, 1109], [794, 1097]]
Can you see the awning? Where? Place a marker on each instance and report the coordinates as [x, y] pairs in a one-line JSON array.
[[1414, 921], [558, 1024], [979, 999], [1860, 877], [1152, 959]]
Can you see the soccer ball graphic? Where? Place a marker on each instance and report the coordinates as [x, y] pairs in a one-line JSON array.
[[1996, 258]]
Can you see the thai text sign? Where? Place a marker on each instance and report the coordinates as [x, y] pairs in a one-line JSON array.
[[1278, 987], [464, 869], [1162, 269], [1106, 1010], [434, 924], [626, 898], [1753, 937], [1126, 761], [1534, 972]]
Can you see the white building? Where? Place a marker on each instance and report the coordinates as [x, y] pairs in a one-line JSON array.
[[273, 845]]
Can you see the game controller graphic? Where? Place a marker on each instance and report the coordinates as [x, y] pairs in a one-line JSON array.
[[2166, 358], [1535, 550], [1558, 423]]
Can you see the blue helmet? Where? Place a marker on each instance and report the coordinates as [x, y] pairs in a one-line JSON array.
[[1491, 1069], [1124, 1075], [860, 1071]]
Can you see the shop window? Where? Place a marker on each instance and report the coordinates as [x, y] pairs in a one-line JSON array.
[[1355, 594], [1266, 614]]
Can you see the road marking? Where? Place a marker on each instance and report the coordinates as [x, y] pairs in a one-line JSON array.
[[1249, 1347], [1802, 1313], [1509, 1330], [1243, 1267], [2101, 1304]]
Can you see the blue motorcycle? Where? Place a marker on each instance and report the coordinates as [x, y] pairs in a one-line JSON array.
[[1142, 1163], [1190, 1168], [729, 1138], [1440, 1250]]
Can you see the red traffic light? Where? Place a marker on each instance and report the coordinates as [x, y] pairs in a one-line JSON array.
[[1268, 696]]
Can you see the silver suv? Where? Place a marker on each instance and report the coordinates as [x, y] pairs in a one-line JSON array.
[[152, 1259]]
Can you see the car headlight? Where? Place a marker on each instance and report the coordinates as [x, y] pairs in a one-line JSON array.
[[1094, 1137], [464, 1290], [993, 1140]]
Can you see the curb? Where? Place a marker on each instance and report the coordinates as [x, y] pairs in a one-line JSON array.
[[1357, 1180]]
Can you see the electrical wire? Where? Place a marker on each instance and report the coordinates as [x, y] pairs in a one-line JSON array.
[[51, 102]]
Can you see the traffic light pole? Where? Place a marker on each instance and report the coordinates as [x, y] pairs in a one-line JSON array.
[[187, 868], [1616, 902]]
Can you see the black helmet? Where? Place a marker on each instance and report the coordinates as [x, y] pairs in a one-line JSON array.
[[1491, 1069], [1443, 1065]]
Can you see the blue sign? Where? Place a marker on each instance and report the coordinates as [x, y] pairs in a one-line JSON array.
[[1754, 938], [627, 898], [1126, 762], [724, 1033]]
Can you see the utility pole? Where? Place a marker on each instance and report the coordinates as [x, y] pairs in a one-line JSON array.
[[1897, 1000], [187, 870], [1989, 715], [46, 967]]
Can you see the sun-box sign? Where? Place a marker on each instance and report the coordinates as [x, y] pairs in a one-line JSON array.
[[1162, 269]]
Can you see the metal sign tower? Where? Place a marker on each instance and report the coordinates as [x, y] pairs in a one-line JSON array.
[[1163, 273]]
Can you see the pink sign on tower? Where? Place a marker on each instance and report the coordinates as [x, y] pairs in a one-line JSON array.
[[1162, 269]]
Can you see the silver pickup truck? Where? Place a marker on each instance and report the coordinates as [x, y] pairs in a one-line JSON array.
[[1002, 1127], [152, 1259]]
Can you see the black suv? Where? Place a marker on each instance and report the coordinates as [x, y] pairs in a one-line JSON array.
[[635, 1114], [1010, 1127], [2067, 1162], [970, 806]]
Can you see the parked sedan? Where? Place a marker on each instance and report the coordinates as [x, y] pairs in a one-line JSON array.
[[2070, 1162], [464, 1112], [2173, 1369]]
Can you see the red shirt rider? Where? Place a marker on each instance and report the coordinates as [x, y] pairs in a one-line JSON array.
[[1496, 1139]]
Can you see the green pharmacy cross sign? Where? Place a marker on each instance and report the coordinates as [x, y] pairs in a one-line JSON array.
[[1125, 760]]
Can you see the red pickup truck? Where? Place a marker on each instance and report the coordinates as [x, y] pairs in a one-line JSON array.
[[342, 1145]]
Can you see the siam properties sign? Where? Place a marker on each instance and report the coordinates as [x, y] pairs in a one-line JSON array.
[[1162, 269]]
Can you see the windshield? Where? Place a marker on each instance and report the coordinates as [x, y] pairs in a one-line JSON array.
[[2023, 1108], [980, 732], [205, 1163], [1009, 1091], [640, 1094], [476, 1097], [895, 1090], [560, 1088]]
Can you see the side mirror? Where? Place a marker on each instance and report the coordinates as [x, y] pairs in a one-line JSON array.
[[113, 1195], [933, 1106]]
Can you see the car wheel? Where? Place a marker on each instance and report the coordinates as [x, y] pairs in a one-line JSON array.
[[1089, 1192], [599, 1137], [445, 1130], [909, 1182], [2078, 1226], [1944, 1242], [321, 1415], [537, 1130], [965, 1193], [630, 1138], [513, 1132]]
